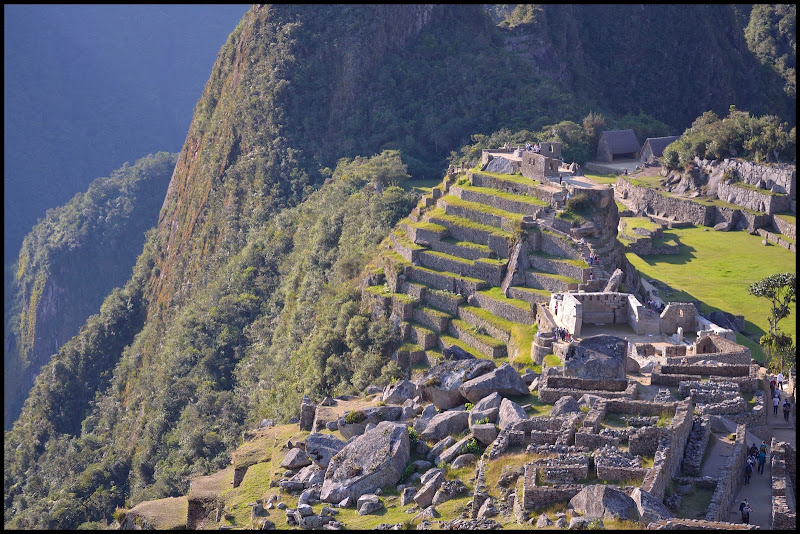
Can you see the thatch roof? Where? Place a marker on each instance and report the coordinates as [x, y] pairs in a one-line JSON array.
[[620, 141], [658, 144]]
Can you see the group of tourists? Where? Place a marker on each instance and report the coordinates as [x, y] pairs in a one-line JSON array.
[[562, 334], [594, 259], [775, 387], [533, 148], [654, 306]]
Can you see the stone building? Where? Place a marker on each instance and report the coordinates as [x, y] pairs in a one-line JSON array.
[[542, 164], [653, 148], [617, 144]]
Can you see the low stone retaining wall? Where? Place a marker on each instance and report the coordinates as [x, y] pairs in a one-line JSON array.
[[785, 227], [644, 441], [435, 322], [586, 437], [764, 202], [716, 370], [551, 395], [726, 407], [489, 350], [477, 322], [650, 201], [733, 358], [556, 245], [777, 239], [559, 267], [569, 382], [643, 246], [697, 524], [491, 273], [636, 407], [506, 224], [731, 479], [783, 482], [442, 300], [422, 337], [452, 249], [533, 496], [495, 242], [542, 281], [746, 384]]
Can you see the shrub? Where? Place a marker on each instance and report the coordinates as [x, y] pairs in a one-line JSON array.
[[354, 417], [407, 471], [468, 406], [413, 438], [471, 447]]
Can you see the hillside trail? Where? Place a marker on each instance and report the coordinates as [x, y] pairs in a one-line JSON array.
[[759, 491]]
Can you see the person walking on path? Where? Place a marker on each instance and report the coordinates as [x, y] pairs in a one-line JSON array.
[[746, 514], [787, 408], [780, 381], [775, 402], [762, 459], [748, 471]]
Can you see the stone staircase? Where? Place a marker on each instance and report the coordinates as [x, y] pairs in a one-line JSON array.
[[472, 261]]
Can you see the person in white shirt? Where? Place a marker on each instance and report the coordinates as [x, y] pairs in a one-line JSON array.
[[780, 381]]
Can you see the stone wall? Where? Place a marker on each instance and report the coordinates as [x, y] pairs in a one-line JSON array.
[[779, 178], [495, 242], [586, 437], [504, 310], [484, 180], [786, 228], [731, 479], [442, 300], [783, 485], [505, 204], [556, 245], [678, 315], [552, 381], [506, 224], [643, 246], [669, 455], [696, 446], [765, 202], [491, 273], [533, 496], [697, 524], [476, 321], [559, 267], [551, 395], [651, 202], [777, 240], [539, 166], [696, 369], [644, 441]]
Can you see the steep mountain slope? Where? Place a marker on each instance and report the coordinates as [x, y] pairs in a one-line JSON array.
[[245, 296], [70, 261]]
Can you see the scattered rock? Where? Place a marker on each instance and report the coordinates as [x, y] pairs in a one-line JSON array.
[[564, 405], [424, 496], [464, 460], [504, 380], [604, 502], [440, 447], [450, 453], [582, 523], [448, 490], [445, 424], [368, 503], [510, 412], [399, 392], [543, 521], [307, 412], [295, 459], [407, 496], [428, 513], [485, 433], [305, 509], [650, 508], [440, 384], [490, 415], [722, 227], [488, 509]]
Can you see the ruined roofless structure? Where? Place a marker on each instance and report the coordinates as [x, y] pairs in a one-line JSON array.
[[540, 166]]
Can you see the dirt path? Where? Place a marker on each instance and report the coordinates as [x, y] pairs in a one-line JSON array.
[[759, 491]]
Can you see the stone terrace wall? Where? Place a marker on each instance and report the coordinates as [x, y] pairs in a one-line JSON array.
[[779, 178], [753, 200], [644, 441], [550, 395], [716, 370], [652, 202], [502, 309], [786, 228], [696, 446], [731, 479], [618, 384], [501, 203], [777, 240], [556, 245], [697, 524], [534, 496]]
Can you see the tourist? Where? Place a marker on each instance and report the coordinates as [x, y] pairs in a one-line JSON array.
[[748, 471], [591, 275], [591, 260], [746, 514], [685, 361], [780, 381], [753, 450], [762, 459], [787, 408], [775, 402], [763, 447]]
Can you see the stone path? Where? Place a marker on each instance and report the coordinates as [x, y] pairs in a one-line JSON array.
[[759, 491]]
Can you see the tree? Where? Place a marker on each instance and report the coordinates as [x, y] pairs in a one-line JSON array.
[[781, 290]]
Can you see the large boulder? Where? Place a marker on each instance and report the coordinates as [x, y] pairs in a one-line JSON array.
[[399, 392], [373, 460], [440, 384], [488, 402], [455, 450], [445, 424], [295, 459], [425, 494], [596, 357], [368, 503], [361, 418], [727, 320], [510, 413], [475, 417], [501, 165], [320, 448], [485, 433], [605, 502], [504, 380], [650, 508], [564, 405]]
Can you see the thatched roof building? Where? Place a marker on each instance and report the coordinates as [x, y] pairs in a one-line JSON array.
[[653, 147], [619, 144]]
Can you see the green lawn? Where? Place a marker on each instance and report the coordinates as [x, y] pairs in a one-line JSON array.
[[602, 178], [717, 268], [421, 186]]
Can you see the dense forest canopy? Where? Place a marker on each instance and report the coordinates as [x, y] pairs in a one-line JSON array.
[[245, 295]]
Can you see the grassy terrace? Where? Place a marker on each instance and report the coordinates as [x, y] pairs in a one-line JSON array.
[[646, 181], [717, 268], [471, 330], [439, 214], [578, 263], [535, 291], [468, 244], [382, 290], [602, 178], [510, 215], [638, 222], [788, 217], [459, 259], [722, 204], [504, 194], [424, 225], [521, 334], [497, 294], [402, 237], [450, 340], [561, 277], [449, 275], [516, 178]]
